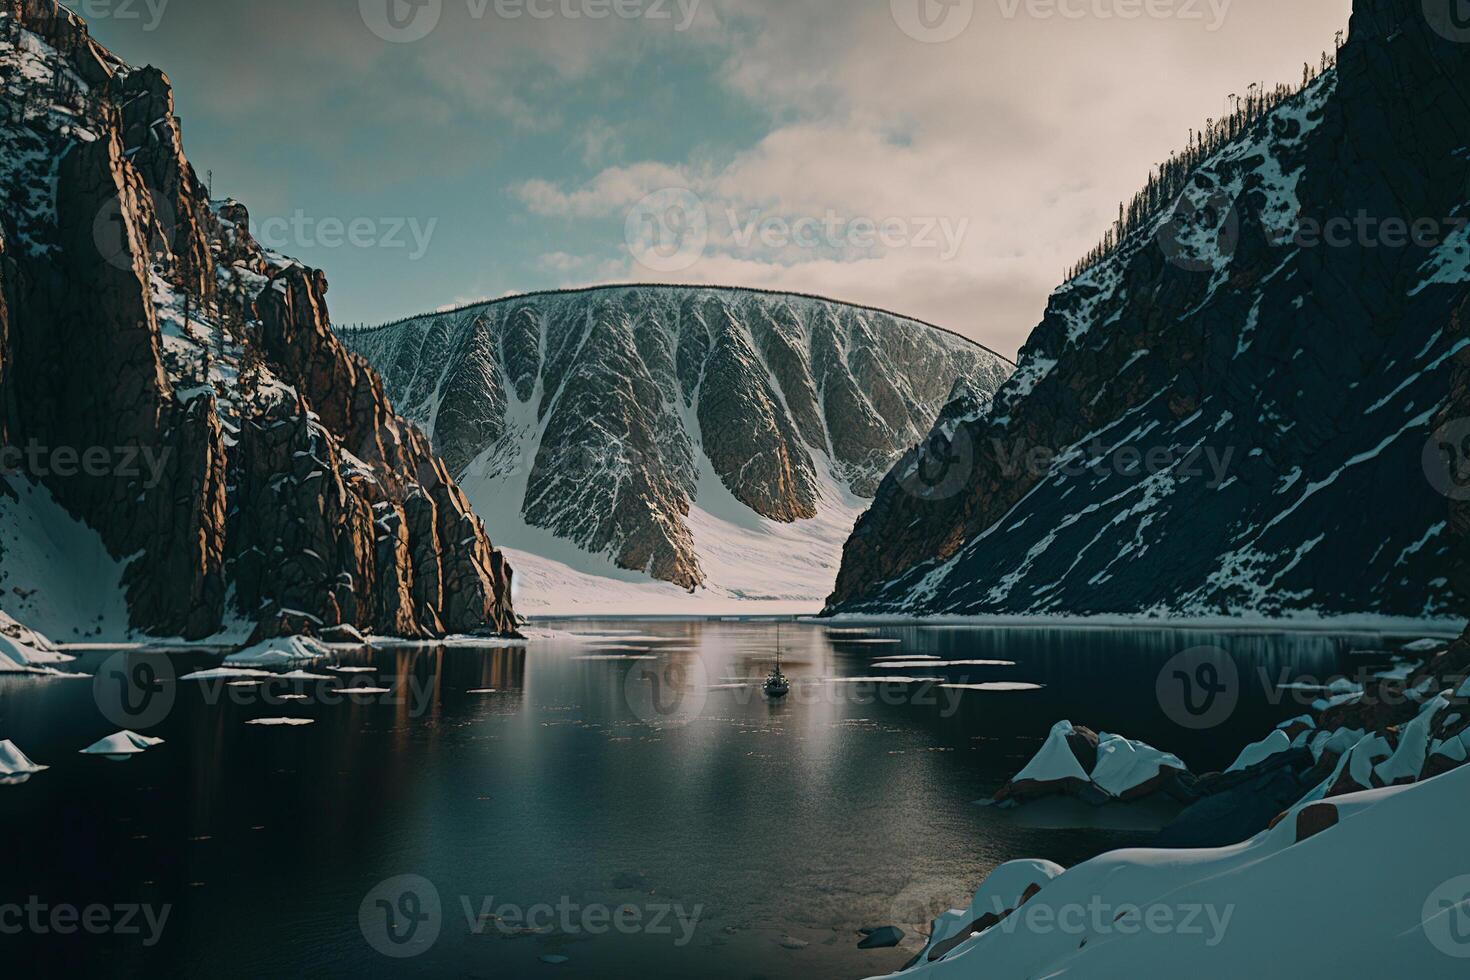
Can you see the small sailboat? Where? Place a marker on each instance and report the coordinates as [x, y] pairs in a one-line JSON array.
[[776, 685]]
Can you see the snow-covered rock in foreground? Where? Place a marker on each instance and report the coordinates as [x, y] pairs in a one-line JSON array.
[[284, 651], [121, 746], [1073, 761], [1378, 885], [25, 651], [15, 765], [1258, 752]]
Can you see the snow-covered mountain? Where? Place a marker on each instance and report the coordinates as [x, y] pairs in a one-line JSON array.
[[186, 449], [633, 443], [1230, 411]]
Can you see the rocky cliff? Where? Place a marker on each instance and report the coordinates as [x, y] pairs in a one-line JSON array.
[[140, 321], [608, 416], [1230, 412]]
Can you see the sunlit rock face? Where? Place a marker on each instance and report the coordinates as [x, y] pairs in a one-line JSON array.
[[140, 320]]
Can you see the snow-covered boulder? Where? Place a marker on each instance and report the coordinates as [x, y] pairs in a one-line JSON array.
[[121, 746], [25, 651], [1073, 761], [1061, 766], [1006, 889], [1130, 770], [281, 651], [1258, 752], [1243, 910], [15, 765]]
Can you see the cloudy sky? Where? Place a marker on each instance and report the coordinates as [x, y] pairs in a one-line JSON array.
[[947, 159]]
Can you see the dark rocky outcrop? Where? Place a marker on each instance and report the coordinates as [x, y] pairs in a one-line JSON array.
[[1317, 364], [140, 322]]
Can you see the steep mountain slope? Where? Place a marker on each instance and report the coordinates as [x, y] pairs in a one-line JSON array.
[[1231, 413], [703, 438], [171, 395]]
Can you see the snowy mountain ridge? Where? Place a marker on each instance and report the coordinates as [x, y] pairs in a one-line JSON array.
[[719, 439]]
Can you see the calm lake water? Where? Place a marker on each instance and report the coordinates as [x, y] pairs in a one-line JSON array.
[[632, 774]]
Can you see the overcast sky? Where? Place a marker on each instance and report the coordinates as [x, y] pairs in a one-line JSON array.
[[947, 159]]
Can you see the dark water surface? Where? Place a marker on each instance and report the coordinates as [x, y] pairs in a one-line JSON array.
[[589, 783]]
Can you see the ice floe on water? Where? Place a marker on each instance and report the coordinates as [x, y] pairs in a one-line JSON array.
[[121, 746], [927, 663], [995, 686], [226, 673], [281, 722], [15, 766]]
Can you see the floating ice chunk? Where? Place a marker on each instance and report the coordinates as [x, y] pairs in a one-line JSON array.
[[889, 664], [122, 746], [15, 766], [225, 673], [281, 722]]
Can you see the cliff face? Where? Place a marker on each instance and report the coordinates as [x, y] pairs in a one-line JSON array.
[[1232, 412], [610, 414], [140, 321]]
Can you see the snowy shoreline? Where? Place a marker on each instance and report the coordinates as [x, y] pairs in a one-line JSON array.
[[1347, 623]]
